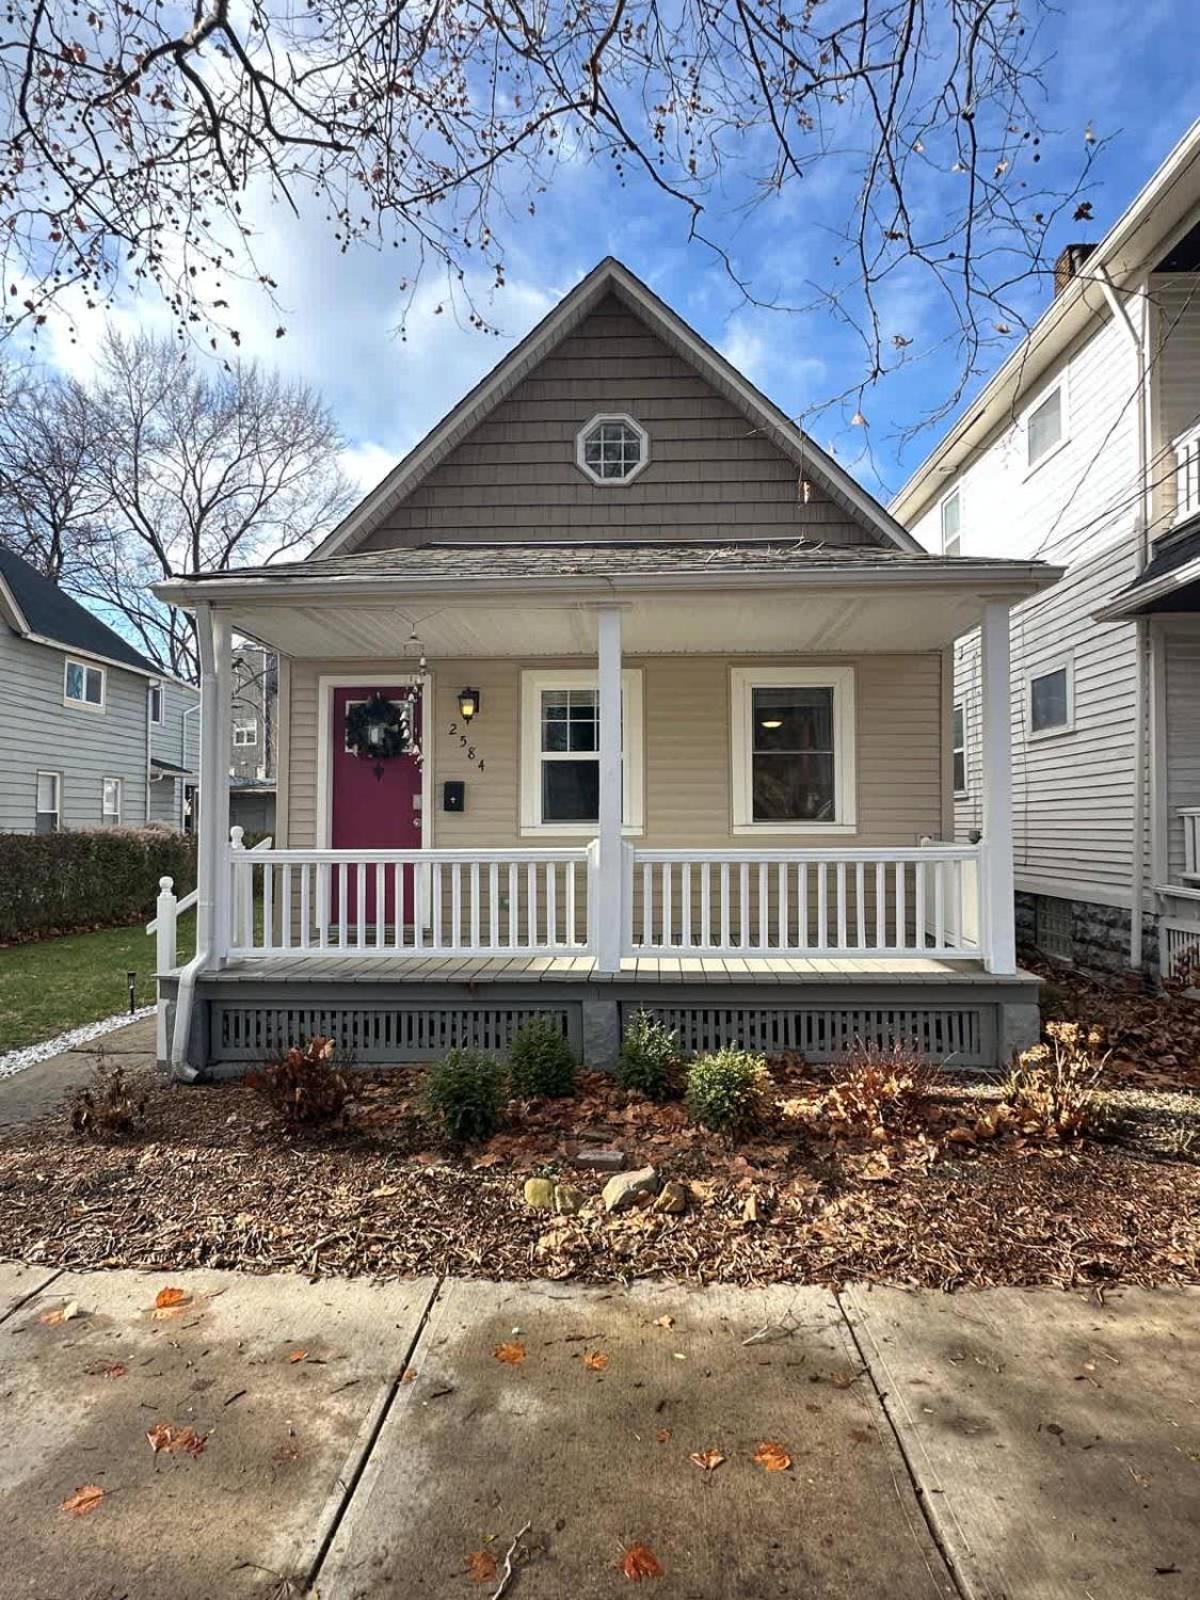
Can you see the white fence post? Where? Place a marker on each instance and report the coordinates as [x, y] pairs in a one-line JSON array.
[[164, 956]]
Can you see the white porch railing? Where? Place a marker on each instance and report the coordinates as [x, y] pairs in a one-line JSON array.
[[1187, 474], [410, 902], [869, 903]]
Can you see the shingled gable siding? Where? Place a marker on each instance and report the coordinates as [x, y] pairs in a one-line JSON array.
[[686, 701], [710, 474]]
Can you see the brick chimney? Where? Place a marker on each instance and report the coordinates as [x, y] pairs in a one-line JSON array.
[[1070, 259]]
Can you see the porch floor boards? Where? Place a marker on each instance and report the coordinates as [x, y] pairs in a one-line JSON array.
[[576, 969]]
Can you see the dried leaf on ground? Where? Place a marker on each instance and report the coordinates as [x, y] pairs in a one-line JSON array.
[[67, 1313], [666, 1321], [512, 1354], [84, 1500], [640, 1562], [843, 1380], [706, 1460], [107, 1369], [298, 1355], [596, 1361], [166, 1298], [663, 1436], [175, 1440], [481, 1566], [772, 1456]]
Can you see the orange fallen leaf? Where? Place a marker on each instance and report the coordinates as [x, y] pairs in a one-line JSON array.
[[772, 1457], [595, 1361], [104, 1369], [166, 1436], [63, 1313], [170, 1297], [409, 1375], [641, 1562], [298, 1355], [706, 1460], [481, 1566], [511, 1354], [83, 1500], [663, 1435]]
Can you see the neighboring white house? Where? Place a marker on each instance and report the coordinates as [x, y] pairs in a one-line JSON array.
[[1084, 450], [93, 733]]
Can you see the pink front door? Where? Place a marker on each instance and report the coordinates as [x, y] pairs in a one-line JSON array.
[[375, 804]]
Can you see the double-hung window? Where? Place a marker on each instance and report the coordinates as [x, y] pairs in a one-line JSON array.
[[83, 685], [560, 751], [48, 816], [1052, 699], [1045, 427], [959, 746], [156, 705], [110, 801], [245, 734], [793, 750], [952, 523]]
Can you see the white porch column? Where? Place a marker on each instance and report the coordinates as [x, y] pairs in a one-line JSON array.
[[607, 914], [213, 921], [997, 860]]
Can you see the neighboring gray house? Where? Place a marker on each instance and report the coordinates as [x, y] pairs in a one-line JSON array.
[[92, 732], [1084, 450], [252, 738]]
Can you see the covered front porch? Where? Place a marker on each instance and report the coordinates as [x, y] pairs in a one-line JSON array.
[[859, 912]]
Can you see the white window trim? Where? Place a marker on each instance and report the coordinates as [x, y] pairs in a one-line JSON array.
[[1043, 670], [632, 797], [964, 792], [1064, 438], [611, 416], [744, 680], [942, 503], [157, 721], [249, 725], [45, 772], [85, 667], [105, 816]]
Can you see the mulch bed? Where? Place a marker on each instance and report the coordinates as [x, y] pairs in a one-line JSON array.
[[215, 1181]]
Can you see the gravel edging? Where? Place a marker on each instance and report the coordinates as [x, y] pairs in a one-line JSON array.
[[17, 1060]]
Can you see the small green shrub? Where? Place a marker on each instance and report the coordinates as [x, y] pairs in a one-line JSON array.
[[729, 1091], [540, 1061], [307, 1085], [649, 1060], [464, 1093]]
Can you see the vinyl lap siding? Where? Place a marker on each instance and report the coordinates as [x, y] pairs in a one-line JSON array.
[[686, 749], [39, 732], [177, 741], [710, 474]]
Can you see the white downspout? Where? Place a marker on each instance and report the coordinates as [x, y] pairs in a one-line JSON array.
[[1139, 339]]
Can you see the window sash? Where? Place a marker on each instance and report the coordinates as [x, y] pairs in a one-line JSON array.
[[1044, 427], [958, 744], [1050, 709], [110, 800], [952, 523], [576, 690], [838, 755], [83, 685], [245, 734], [48, 805], [156, 705]]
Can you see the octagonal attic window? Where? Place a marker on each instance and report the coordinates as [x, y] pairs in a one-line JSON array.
[[612, 450]]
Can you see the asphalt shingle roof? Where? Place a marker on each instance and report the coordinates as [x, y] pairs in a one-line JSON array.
[[54, 615]]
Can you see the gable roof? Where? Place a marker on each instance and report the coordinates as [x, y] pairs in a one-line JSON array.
[[612, 277], [43, 613], [1152, 223]]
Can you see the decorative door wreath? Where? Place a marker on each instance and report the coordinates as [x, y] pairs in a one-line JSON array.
[[377, 729]]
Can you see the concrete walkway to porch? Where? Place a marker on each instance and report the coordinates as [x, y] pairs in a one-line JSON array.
[[359, 1441]]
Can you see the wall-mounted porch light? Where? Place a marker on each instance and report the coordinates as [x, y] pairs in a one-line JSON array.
[[468, 703]]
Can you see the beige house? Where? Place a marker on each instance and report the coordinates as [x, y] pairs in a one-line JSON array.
[[618, 692]]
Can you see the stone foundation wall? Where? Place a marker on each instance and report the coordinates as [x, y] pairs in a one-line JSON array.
[[1099, 935]]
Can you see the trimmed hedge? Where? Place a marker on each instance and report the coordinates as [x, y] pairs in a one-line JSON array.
[[64, 882]]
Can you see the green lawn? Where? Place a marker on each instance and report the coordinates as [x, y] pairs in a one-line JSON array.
[[56, 984]]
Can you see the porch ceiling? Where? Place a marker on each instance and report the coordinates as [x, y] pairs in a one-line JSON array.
[[784, 622]]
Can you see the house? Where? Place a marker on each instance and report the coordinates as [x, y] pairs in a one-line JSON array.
[[618, 692], [94, 734], [1084, 449], [252, 757]]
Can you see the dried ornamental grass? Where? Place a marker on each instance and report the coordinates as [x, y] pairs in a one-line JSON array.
[[307, 1085]]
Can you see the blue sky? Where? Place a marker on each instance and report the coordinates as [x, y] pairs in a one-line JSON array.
[[1127, 71]]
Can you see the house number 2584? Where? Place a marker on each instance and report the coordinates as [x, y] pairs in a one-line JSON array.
[[465, 744]]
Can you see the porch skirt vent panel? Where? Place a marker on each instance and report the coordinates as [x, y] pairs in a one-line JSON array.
[[954, 1035], [375, 1035]]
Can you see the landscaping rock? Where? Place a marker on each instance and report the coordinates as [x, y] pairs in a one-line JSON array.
[[539, 1193], [568, 1200], [626, 1189], [604, 1160], [671, 1198]]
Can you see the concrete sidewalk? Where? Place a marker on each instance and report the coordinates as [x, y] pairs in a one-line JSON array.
[[363, 1441], [41, 1088]]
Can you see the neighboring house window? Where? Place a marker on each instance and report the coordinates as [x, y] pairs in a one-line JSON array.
[[110, 801], [1044, 427], [952, 523], [959, 746], [49, 803], [190, 808], [156, 704], [612, 449], [793, 749], [560, 751], [245, 733], [84, 685], [1052, 700]]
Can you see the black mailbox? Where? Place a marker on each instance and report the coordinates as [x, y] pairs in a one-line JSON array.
[[454, 795]]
